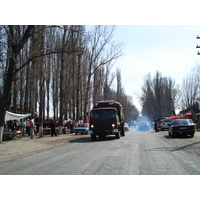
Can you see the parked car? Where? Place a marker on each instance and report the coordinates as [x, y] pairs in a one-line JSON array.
[[181, 127], [82, 128], [126, 127], [165, 124]]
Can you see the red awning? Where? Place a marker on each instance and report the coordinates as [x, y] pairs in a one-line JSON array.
[[189, 113], [179, 116], [172, 117]]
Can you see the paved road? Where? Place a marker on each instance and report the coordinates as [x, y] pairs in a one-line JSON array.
[[138, 153]]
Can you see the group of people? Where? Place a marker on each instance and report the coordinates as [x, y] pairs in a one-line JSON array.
[[27, 127], [23, 126], [31, 126]]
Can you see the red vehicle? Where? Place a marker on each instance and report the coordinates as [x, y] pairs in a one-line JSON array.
[[181, 127], [126, 127]]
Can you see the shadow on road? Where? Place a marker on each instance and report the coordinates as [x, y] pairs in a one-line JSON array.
[[178, 137], [88, 139], [186, 146], [174, 148]]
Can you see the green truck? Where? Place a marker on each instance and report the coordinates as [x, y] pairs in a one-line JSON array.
[[107, 118]]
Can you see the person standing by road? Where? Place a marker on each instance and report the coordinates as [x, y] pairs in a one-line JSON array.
[[28, 127], [71, 127], [22, 126], [53, 129], [32, 125], [37, 124], [156, 126]]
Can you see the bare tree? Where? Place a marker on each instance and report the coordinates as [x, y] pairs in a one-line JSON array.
[[160, 96], [100, 53], [190, 88], [60, 67], [15, 44]]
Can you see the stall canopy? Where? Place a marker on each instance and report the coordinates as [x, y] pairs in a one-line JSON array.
[[14, 116], [189, 113], [179, 116]]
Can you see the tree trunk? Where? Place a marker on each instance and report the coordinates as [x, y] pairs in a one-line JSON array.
[[78, 89], [6, 95], [61, 94], [86, 97]]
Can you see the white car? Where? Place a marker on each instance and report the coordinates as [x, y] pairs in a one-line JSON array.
[[82, 128], [165, 124]]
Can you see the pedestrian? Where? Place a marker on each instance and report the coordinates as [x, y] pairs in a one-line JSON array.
[[71, 126], [53, 129], [87, 121], [22, 126], [32, 128], [12, 126], [75, 124], [156, 126], [37, 124], [28, 127]]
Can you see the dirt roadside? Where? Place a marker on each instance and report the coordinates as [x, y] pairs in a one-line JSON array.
[[17, 148]]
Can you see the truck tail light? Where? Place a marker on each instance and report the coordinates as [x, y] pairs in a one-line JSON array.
[[113, 125]]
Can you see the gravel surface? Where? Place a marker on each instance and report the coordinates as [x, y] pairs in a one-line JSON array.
[[138, 153], [14, 149]]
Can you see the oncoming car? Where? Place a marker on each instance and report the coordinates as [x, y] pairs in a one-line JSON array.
[[81, 128], [143, 126], [181, 127]]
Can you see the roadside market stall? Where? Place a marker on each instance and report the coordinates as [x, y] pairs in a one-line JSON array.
[[8, 134], [14, 116], [197, 121]]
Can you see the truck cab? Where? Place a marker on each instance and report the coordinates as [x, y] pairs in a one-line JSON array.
[[105, 119]]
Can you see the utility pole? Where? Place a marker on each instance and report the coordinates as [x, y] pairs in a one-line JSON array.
[[198, 53]]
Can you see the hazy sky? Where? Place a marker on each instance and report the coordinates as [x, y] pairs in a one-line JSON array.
[[169, 49], [155, 33]]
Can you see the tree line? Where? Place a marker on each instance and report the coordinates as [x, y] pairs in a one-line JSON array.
[[59, 71], [161, 96]]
